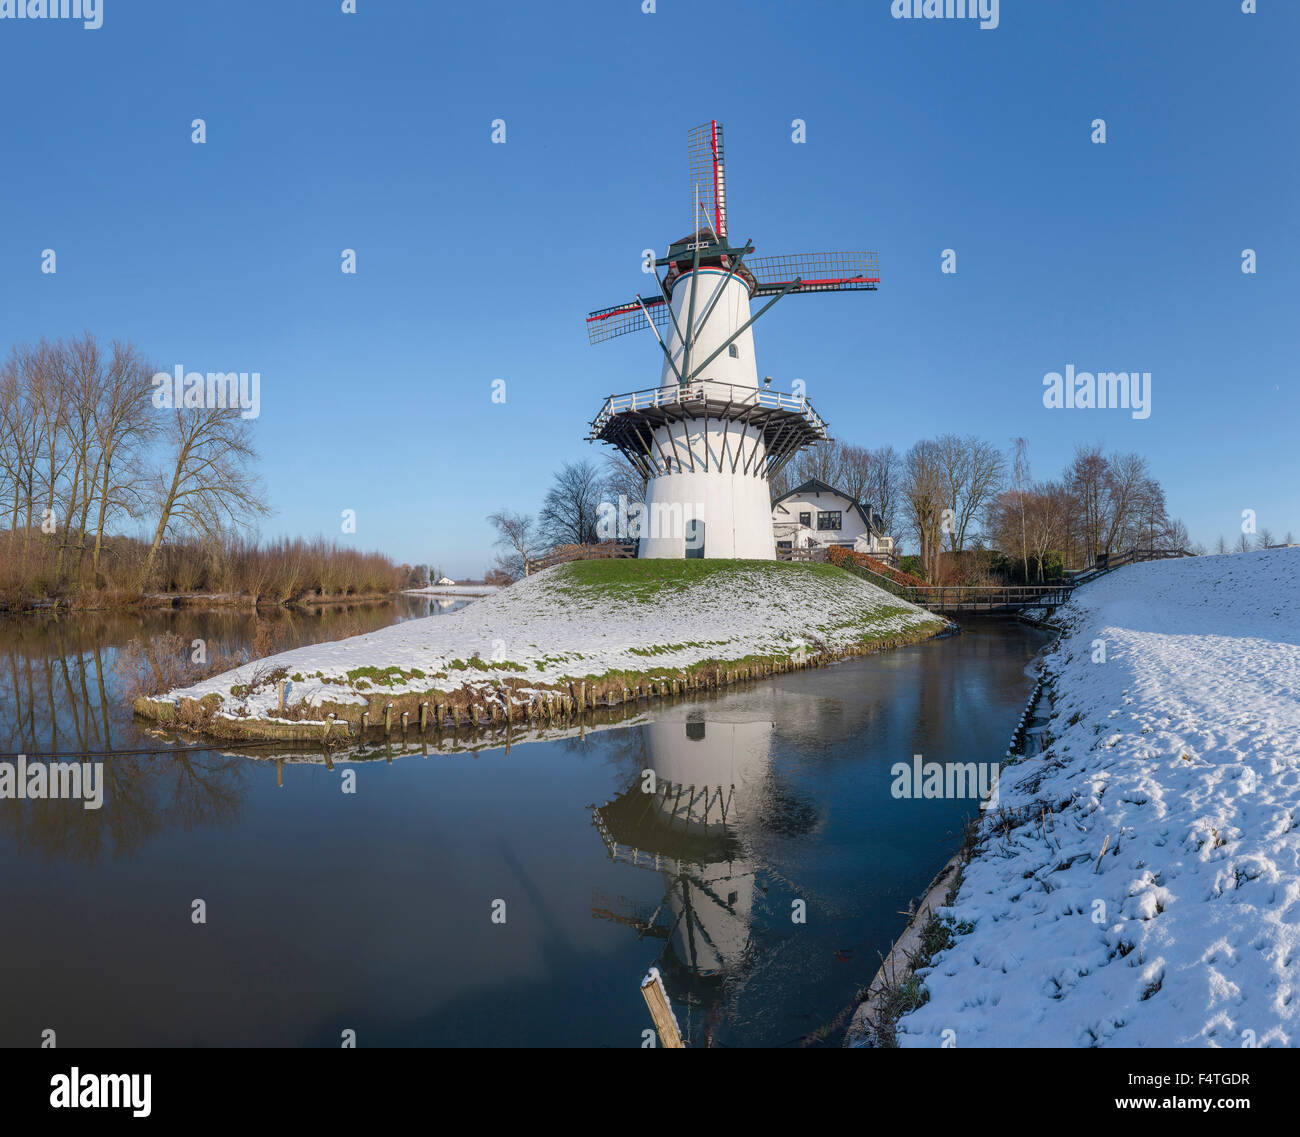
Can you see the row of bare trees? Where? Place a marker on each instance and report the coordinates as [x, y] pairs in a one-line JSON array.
[[1101, 504], [960, 498], [87, 452], [84, 448]]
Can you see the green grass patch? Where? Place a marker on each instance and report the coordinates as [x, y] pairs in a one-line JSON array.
[[645, 579], [362, 677]]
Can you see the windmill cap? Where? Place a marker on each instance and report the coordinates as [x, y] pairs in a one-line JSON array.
[[682, 255]]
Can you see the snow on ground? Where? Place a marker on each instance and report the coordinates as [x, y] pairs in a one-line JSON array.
[[552, 626], [1182, 751]]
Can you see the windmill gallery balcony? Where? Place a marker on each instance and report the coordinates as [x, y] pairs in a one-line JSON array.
[[641, 422]]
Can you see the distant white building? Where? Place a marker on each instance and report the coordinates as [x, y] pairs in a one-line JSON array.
[[444, 580], [817, 515]]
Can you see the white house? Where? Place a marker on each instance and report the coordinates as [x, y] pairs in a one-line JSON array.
[[444, 580], [818, 515]]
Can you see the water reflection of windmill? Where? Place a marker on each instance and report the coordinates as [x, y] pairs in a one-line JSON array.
[[714, 791]]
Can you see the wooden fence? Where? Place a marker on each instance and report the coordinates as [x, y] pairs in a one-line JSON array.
[[607, 550]]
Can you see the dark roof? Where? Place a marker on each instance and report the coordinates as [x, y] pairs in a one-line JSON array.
[[870, 518]]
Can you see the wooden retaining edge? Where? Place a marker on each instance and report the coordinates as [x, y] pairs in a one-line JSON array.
[[489, 708], [897, 965]]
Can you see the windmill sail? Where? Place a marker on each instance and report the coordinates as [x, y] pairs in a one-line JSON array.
[[606, 323], [817, 272], [708, 176]]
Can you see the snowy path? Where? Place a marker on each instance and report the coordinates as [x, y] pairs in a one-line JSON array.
[[1184, 760]]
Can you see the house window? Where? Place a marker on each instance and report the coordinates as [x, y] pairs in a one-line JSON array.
[[733, 351], [805, 519], [784, 546], [829, 519]]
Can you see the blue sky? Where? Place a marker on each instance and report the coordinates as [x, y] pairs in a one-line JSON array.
[[478, 261]]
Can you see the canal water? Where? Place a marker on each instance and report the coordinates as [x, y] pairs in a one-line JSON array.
[[748, 845]]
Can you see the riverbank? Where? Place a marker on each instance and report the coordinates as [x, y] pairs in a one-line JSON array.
[[553, 646], [453, 590], [109, 601], [1139, 883]]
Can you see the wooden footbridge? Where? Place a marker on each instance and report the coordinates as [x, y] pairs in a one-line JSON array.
[[992, 598]]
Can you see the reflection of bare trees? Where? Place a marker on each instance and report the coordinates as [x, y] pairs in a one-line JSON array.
[[60, 693], [53, 693], [143, 797]]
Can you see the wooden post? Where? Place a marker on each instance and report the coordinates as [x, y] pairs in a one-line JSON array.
[[424, 717], [388, 718], [656, 998]]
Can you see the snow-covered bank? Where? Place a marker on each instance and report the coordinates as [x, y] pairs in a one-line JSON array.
[[1140, 884], [607, 625], [453, 590]]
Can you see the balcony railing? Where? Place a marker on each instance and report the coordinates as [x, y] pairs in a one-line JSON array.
[[712, 391]]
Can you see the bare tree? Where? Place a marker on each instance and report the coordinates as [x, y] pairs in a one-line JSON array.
[[1222, 545], [1243, 543], [825, 462], [971, 474], [1020, 473], [855, 470], [1265, 539], [1086, 481], [1047, 519], [883, 484], [922, 494], [571, 506], [1126, 489], [621, 477], [125, 426], [517, 533], [206, 483], [1176, 536], [20, 441]]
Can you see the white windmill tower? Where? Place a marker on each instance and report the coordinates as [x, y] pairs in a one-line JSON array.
[[708, 439]]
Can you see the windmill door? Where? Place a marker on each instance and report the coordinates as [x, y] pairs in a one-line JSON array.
[[694, 539]]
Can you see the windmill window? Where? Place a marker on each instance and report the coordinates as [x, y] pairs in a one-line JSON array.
[[829, 519], [733, 351]]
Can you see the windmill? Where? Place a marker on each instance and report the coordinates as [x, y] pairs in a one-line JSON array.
[[708, 440], [700, 830]]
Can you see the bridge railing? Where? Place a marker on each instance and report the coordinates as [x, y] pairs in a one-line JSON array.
[[608, 550], [1106, 562], [952, 597]]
